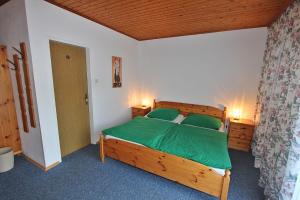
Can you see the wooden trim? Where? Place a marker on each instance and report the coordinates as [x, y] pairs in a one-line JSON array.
[[18, 152], [101, 148], [51, 166], [28, 85], [45, 169], [186, 108], [181, 170], [21, 93], [34, 162]]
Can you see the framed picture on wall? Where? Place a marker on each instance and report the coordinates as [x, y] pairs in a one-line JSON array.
[[116, 72]]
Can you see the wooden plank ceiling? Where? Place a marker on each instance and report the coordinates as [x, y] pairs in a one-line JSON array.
[[150, 19]]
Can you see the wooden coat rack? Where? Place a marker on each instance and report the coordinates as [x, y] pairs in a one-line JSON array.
[[27, 84], [21, 93], [26, 72]]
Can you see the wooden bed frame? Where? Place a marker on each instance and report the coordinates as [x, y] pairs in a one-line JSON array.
[[181, 170]]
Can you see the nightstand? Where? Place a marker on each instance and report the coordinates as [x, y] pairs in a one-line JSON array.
[[240, 134], [140, 111]]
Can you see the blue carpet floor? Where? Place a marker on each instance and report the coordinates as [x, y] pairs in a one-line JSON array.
[[82, 176]]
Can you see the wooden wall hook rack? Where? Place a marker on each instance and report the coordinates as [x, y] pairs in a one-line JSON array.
[[26, 72], [18, 51], [21, 93], [12, 63]]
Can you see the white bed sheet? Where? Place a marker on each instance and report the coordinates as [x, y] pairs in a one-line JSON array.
[[107, 137], [177, 120], [180, 118]]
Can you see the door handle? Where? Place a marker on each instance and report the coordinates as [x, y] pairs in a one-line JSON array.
[[86, 98]]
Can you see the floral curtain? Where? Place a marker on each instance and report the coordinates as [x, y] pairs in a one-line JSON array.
[[276, 144]]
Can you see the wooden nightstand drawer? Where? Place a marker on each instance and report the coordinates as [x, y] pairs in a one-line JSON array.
[[137, 111], [240, 134], [140, 111], [241, 127], [244, 135], [239, 144]]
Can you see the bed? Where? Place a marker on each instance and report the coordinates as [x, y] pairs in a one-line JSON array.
[[149, 153]]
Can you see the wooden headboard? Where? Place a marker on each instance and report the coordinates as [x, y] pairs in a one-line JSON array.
[[186, 108]]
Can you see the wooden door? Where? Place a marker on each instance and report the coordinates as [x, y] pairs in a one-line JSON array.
[[9, 131], [70, 86]]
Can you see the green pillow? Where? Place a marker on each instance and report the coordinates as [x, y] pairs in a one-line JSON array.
[[202, 121], [164, 113]]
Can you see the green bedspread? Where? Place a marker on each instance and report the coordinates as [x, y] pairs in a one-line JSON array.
[[206, 146], [146, 131]]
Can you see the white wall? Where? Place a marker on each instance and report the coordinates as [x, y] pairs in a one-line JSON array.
[[108, 106], [216, 68], [211, 69], [13, 30]]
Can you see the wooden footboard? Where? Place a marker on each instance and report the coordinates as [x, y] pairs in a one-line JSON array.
[[184, 171]]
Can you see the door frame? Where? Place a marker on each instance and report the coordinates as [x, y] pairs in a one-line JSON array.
[[89, 83]]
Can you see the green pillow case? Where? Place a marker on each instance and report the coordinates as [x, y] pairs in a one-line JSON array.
[[203, 121], [164, 113]]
